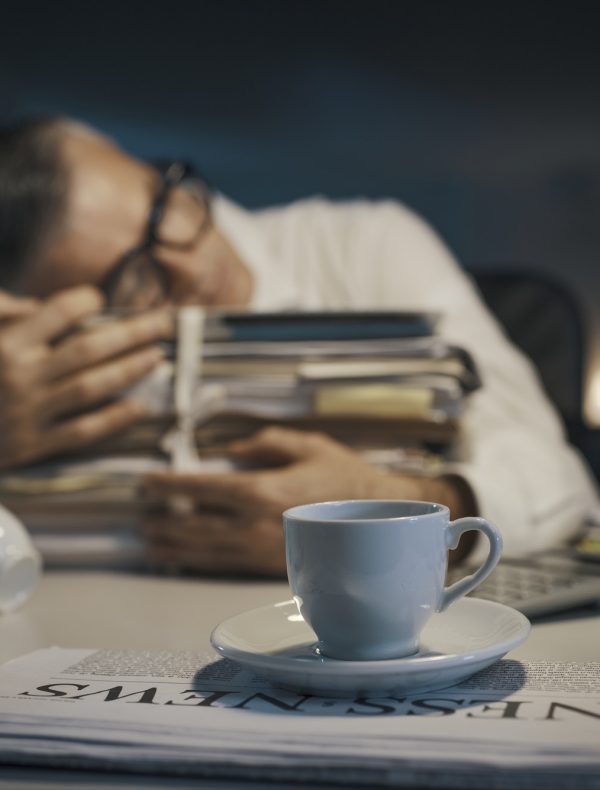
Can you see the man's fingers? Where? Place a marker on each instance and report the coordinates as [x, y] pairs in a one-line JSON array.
[[217, 542], [203, 542], [180, 558], [212, 490], [212, 560], [82, 431], [108, 340], [277, 445], [55, 316], [12, 307], [93, 386], [200, 533], [203, 523]]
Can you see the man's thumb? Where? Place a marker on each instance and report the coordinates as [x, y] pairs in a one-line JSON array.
[[273, 445]]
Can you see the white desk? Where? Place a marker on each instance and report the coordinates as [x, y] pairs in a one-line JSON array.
[[124, 610], [89, 609]]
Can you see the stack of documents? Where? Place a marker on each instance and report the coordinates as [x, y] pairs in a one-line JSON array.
[[358, 391], [382, 383], [370, 379], [514, 725]]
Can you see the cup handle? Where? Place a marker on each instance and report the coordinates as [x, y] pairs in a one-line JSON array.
[[454, 531]]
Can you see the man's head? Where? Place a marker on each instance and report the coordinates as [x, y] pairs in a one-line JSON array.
[[32, 194], [73, 204]]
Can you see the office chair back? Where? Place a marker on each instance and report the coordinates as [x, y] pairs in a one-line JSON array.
[[542, 317]]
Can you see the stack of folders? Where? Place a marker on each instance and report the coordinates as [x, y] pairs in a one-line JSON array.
[[383, 383]]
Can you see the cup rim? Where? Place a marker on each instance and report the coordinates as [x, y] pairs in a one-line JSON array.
[[295, 514]]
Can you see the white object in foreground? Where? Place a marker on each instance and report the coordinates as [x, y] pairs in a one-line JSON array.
[[20, 563]]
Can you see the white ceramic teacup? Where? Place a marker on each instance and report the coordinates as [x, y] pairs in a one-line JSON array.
[[367, 575], [20, 562]]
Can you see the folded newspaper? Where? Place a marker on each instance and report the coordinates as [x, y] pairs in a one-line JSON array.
[[184, 713]]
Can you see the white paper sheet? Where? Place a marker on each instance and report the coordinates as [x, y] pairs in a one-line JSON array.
[[189, 712]]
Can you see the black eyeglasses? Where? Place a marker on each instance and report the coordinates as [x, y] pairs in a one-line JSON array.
[[179, 217]]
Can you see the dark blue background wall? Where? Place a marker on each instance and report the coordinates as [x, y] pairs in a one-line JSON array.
[[483, 116]]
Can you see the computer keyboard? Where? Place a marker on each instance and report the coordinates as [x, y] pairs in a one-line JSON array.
[[551, 582]]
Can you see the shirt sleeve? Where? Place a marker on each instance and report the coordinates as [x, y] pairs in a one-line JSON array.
[[513, 451]]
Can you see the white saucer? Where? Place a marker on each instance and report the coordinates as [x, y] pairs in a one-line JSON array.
[[275, 642]]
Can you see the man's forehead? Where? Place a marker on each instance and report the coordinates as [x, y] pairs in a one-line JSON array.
[[94, 160], [109, 194]]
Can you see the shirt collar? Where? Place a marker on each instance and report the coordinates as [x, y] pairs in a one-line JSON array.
[[273, 286]]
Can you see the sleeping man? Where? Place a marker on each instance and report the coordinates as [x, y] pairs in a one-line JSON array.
[[84, 225]]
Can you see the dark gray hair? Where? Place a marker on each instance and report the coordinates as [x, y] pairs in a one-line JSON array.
[[33, 191]]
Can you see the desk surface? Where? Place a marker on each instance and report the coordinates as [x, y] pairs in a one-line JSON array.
[[76, 609]]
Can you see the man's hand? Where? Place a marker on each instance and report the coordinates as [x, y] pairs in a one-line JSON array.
[[236, 526], [55, 382], [12, 307]]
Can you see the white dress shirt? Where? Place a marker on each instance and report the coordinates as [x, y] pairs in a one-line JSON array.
[[315, 254]]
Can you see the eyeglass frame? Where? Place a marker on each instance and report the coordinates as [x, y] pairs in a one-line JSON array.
[[172, 175]]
